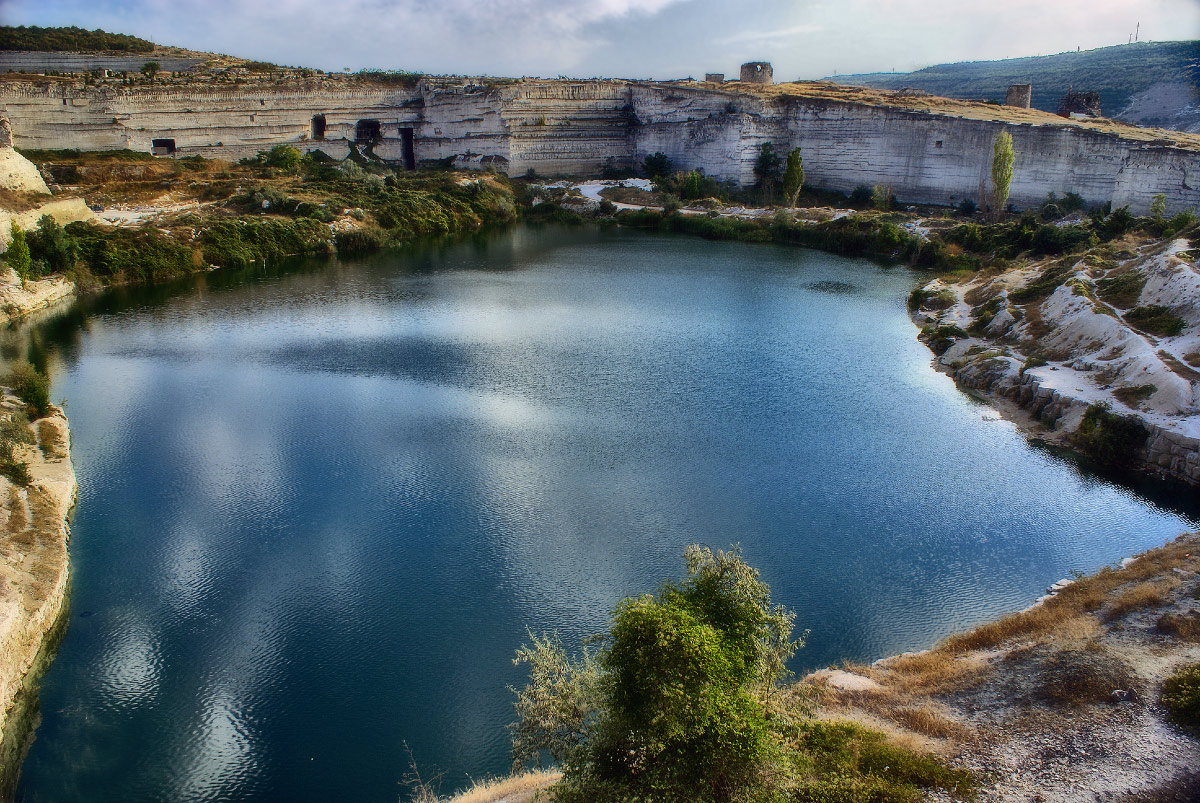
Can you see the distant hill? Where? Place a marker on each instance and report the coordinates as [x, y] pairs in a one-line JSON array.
[[1148, 83], [77, 40]]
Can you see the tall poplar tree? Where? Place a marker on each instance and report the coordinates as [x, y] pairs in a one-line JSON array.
[[793, 176], [1003, 159]]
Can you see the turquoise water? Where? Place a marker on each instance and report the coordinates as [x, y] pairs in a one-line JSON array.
[[319, 508]]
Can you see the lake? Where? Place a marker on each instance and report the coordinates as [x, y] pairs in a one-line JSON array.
[[319, 507]]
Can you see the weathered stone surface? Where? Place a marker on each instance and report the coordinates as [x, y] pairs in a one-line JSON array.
[[1019, 95], [579, 127], [757, 72]]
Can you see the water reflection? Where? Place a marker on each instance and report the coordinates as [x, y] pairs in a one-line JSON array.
[[320, 506]]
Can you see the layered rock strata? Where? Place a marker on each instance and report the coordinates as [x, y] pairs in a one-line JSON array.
[[925, 152]]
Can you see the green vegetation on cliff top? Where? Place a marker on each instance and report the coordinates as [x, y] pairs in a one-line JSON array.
[[31, 37]]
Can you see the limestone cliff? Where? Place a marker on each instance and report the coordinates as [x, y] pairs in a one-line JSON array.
[[34, 572], [927, 150]]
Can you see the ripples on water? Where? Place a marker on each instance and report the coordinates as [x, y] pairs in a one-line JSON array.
[[319, 509]]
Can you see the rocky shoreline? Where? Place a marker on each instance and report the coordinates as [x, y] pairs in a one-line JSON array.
[[1060, 345], [34, 576]]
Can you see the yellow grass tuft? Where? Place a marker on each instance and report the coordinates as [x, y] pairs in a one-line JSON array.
[[1143, 595], [521, 788]]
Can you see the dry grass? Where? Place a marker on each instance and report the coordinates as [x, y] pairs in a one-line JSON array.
[[515, 789], [931, 671], [1179, 368], [926, 720], [50, 439], [1185, 627], [1082, 597], [1143, 595]]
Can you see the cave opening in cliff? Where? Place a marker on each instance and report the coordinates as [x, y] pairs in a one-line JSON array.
[[367, 131], [410, 155], [317, 131], [162, 147]]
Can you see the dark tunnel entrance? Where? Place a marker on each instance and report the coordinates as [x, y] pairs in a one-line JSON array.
[[367, 131], [410, 155], [162, 147], [318, 127]]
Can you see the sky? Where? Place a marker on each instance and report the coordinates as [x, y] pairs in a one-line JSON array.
[[659, 39]]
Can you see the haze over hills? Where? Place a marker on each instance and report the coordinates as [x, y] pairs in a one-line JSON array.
[[1146, 83]]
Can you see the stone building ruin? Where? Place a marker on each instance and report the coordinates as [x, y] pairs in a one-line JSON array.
[[1079, 104], [1019, 95], [757, 72], [714, 77]]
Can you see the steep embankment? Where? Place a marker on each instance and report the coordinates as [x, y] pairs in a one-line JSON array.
[[34, 571], [1099, 351]]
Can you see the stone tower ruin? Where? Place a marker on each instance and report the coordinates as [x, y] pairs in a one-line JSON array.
[[1019, 95], [757, 72]]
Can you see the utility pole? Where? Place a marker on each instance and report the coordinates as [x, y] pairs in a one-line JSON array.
[[1137, 31]]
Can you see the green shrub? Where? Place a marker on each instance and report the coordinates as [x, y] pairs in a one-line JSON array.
[[1033, 362], [1026, 235], [142, 255], [920, 298], [30, 386], [1113, 225], [1108, 438], [1122, 290], [17, 255], [675, 695], [860, 197], [16, 472], [51, 243], [360, 240], [1045, 284], [1134, 395], [657, 165], [984, 315], [241, 243], [941, 338], [285, 157], [843, 762], [1156, 319], [1181, 695]]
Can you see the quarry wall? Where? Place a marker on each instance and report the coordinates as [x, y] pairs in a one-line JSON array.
[[580, 127]]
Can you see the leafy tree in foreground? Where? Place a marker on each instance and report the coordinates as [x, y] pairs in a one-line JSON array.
[[793, 176], [1003, 159], [673, 704]]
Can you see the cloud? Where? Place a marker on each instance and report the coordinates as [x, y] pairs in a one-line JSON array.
[[769, 36], [502, 36]]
